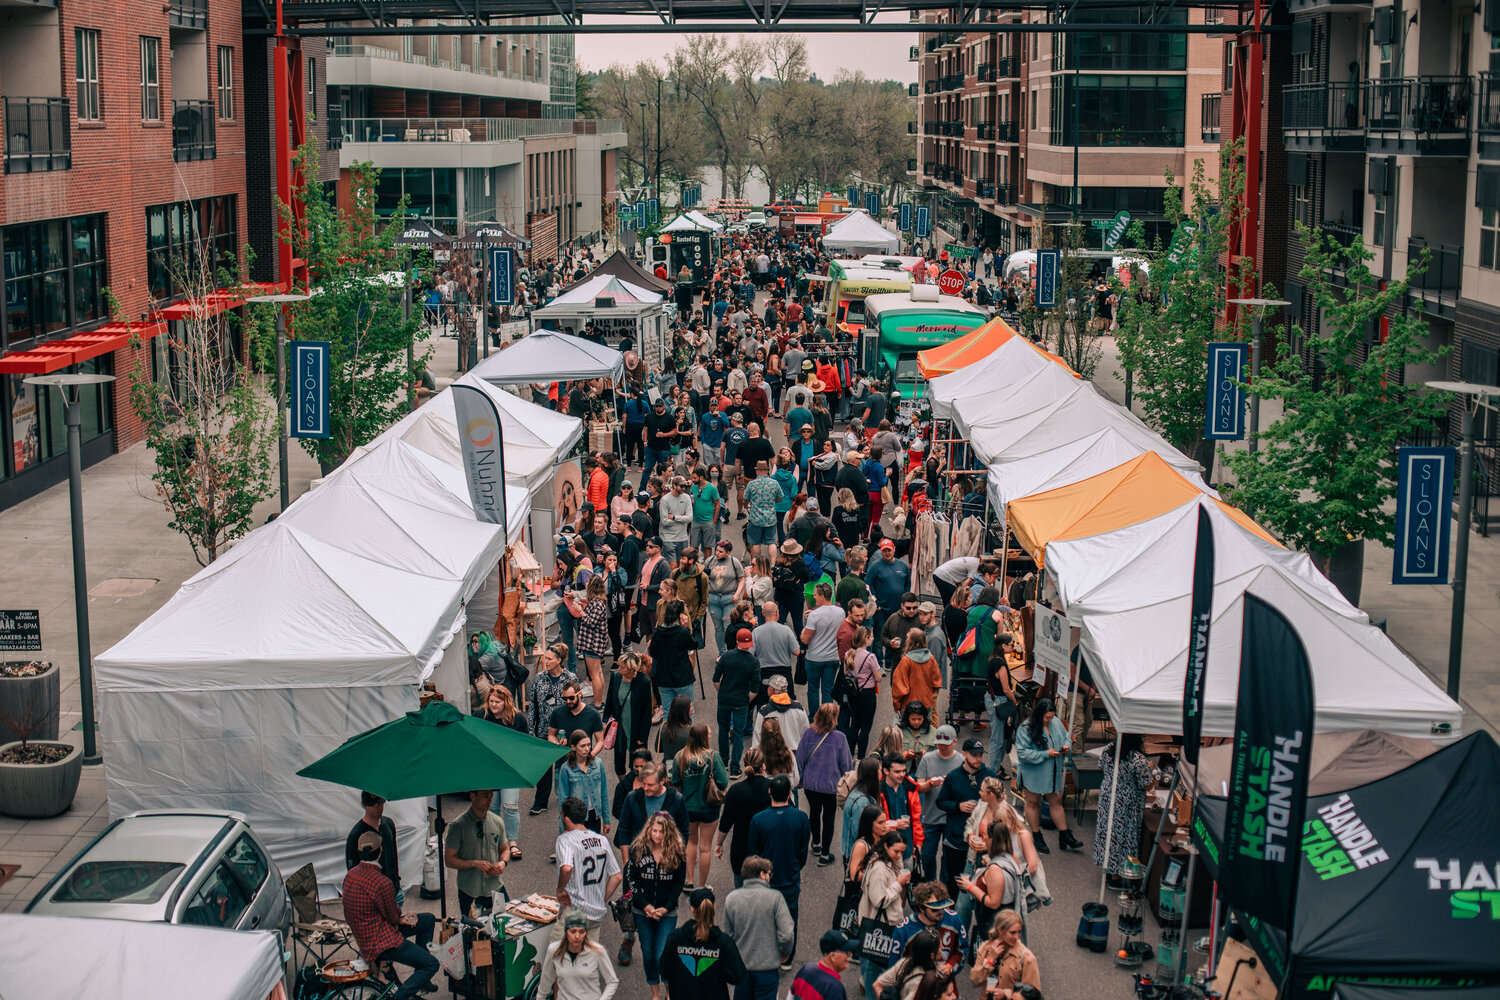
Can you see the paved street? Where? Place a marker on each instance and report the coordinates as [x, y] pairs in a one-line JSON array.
[[128, 541]]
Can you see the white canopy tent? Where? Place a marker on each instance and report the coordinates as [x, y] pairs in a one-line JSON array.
[[604, 286], [549, 356], [704, 221], [1012, 364], [1152, 561], [1138, 660], [69, 958], [857, 233], [535, 437], [257, 667], [691, 222], [1034, 420], [1074, 461]]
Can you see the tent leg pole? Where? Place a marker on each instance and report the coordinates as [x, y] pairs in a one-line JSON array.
[[1216, 930], [1156, 841], [1109, 824], [1187, 907], [440, 826]]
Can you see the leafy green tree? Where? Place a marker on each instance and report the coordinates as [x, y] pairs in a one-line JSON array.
[[585, 101], [1324, 475], [1166, 327], [347, 252], [210, 424]]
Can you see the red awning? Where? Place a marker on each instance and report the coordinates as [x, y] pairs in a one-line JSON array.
[[218, 301], [56, 355]]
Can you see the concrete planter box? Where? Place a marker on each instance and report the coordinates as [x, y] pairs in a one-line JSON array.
[[36, 696], [34, 791]]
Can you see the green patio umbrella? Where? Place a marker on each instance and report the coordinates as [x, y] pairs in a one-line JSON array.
[[436, 750]]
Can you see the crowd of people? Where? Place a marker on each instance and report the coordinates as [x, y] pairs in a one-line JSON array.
[[746, 534]]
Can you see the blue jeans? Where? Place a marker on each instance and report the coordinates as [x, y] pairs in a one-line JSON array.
[[820, 677], [669, 693], [653, 938], [565, 628], [510, 811], [734, 733], [758, 984], [652, 457], [929, 850], [1001, 709], [415, 955], [719, 606]]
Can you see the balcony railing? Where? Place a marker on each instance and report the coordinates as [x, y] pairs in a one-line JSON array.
[[914, 53], [911, 165], [953, 81], [1099, 137], [911, 128], [957, 179], [1211, 126], [1489, 103], [1323, 106], [1341, 234], [1006, 67], [193, 131], [1420, 104], [932, 128], [984, 131], [188, 14], [1444, 268], [37, 135], [595, 126], [985, 72], [1006, 132], [417, 59], [930, 87], [986, 190], [335, 139], [929, 168], [953, 128], [458, 129], [913, 89], [950, 38]]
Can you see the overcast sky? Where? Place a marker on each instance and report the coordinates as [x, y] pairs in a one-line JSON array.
[[879, 55]]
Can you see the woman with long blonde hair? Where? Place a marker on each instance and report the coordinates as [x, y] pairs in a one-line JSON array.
[[1004, 960], [500, 708], [654, 876]]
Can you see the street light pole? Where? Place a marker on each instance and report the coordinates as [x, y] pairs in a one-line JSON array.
[[1471, 395], [1257, 331], [644, 162], [69, 386], [281, 435]]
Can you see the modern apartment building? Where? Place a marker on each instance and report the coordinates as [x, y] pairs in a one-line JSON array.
[[1391, 127], [1010, 124], [474, 127]]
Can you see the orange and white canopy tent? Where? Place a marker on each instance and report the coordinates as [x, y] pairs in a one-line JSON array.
[[1132, 492], [975, 346]]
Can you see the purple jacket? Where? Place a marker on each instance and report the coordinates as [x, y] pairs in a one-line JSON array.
[[822, 766]]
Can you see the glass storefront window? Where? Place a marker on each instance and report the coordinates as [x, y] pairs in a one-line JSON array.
[[177, 237], [42, 262]]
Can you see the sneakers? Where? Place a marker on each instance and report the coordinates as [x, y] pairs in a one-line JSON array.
[[1040, 842], [1067, 841], [537, 810], [622, 957], [786, 965], [824, 860]]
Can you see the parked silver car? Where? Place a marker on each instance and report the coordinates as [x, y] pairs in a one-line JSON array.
[[180, 866]]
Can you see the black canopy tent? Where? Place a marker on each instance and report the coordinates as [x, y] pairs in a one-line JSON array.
[[1400, 878], [483, 235], [622, 267]]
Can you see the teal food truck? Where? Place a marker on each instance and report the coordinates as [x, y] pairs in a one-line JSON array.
[[899, 324]]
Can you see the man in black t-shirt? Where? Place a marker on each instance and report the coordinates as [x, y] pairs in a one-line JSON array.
[[755, 449], [573, 714], [375, 821], [661, 434]]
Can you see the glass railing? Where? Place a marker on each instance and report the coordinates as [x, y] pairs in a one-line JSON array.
[[457, 129], [188, 13], [37, 135], [1444, 267], [417, 59]]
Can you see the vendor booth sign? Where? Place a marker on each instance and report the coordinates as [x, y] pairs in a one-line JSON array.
[[502, 276], [310, 388], [1225, 419], [483, 452], [1049, 263], [1424, 502], [1051, 640]]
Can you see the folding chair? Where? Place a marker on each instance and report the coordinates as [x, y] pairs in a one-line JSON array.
[[318, 936]]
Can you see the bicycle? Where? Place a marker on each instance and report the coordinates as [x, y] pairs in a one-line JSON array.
[[312, 984]]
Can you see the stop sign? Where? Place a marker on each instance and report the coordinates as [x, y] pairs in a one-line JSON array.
[[951, 282]]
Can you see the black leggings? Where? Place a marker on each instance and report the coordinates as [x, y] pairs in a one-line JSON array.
[[862, 707], [821, 807]]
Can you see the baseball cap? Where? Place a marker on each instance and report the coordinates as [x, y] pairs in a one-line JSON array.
[[832, 941], [654, 540], [812, 503], [370, 839], [776, 682], [575, 918], [700, 895], [886, 543], [927, 607], [973, 745], [744, 637], [945, 735]]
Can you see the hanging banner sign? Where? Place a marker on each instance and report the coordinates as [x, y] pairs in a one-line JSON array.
[[904, 217], [1424, 505], [481, 441], [924, 222], [641, 210], [1273, 723], [502, 276], [1226, 398], [1049, 263], [853, 195], [1116, 230], [309, 385], [1198, 631], [872, 203], [654, 208]]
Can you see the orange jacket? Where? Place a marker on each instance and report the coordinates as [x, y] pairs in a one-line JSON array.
[[916, 680], [598, 490]]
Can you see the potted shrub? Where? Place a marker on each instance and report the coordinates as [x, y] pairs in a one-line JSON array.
[[24, 683], [38, 776]]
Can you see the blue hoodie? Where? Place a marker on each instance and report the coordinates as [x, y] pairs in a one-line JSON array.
[[887, 581]]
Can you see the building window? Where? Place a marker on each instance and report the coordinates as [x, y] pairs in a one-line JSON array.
[[183, 236], [86, 44], [1302, 204], [1378, 234], [226, 82], [54, 277], [312, 87], [1120, 111], [150, 78], [1489, 237]]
